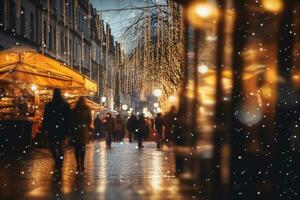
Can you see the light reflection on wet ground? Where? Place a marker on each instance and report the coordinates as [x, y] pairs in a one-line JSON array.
[[123, 172]]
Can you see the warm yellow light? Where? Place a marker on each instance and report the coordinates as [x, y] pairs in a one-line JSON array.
[[157, 92], [272, 5], [33, 87], [124, 107], [266, 91], [202, 69], [103, 99], [67, 94], [201, 13], [172, 99]]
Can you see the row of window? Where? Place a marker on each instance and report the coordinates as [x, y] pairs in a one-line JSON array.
[[12, 19]]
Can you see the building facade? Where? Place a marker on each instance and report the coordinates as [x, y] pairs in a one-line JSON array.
[[70, 31]]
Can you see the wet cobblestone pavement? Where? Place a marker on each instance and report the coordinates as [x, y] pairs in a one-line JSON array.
[[123, 172]]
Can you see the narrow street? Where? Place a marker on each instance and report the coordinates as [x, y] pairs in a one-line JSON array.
[[124, 172]]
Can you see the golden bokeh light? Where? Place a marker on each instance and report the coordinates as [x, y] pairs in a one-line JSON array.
[[202, 13], [272, 5]]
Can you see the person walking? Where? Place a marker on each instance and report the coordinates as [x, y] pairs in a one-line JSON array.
[[119, 128], [109, 129], [131, 126], [97, 125], [82, 119], [141, 130], [56, 125], [169, 125], [159, 126]]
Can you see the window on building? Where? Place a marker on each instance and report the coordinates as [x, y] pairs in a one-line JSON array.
[[76, 53], [62, 7], [66, 45], [70, 50], [12, 15], [1, 13], [50, 38], [31, 26], [62, 44], [23, 20], [69, 6], [45, 32], [54, 38]]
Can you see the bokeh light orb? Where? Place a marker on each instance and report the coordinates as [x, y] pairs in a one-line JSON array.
[[202, 13], [157, 92], [272, 5], [249, 115]]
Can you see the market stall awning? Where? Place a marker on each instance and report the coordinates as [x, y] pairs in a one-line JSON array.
[[93, 105], [28, 66]]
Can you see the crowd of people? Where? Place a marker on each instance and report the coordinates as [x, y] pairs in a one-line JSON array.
[[60, 121]]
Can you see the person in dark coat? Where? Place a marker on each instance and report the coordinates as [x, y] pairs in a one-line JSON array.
[[119, 131], [97, 125], [82, 130], [141, 130], [169, 124], [56, 124], [109, 126], [131, 126], [159, 125]]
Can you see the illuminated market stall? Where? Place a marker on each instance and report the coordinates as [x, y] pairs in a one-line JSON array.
[[27, 79]]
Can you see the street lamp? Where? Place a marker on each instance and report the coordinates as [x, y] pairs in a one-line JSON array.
[[103, 100], [157, 92], [201, 13], [33, 88], [202, 69], [124, 107]]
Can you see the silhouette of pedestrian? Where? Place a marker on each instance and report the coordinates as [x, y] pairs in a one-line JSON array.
[[109, 129], [56, 124], [131, 126], [141, 130], [119, 131], [159, 125], [97, 125], [82, 119]]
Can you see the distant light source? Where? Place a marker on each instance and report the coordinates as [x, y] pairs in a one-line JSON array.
[[201, 13], [66, 94], [156, 105], [103, 99], [272, 5], [172, 99], [202, 69], [157, 92], [124, 107], [33, 87]]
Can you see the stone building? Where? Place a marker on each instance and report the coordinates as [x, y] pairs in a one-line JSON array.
[[70, 31]]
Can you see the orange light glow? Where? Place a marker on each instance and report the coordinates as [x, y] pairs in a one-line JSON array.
[[272, 5], [201, 14]]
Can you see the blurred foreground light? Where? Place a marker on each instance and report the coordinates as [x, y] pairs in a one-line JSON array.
[[272, 5], [157, 92], [249, 115], [266, 91], [201, 13], [202, 69], [156, 105]]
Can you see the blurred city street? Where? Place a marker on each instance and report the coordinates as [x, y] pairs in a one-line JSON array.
[[123, 172]]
